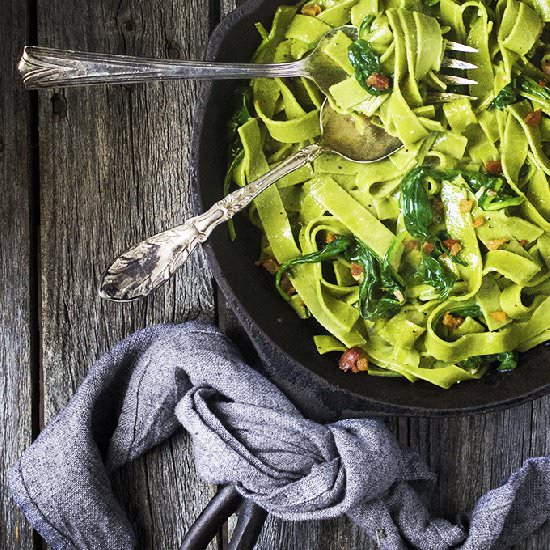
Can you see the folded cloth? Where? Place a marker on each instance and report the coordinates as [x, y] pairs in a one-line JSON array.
[[245, 432]]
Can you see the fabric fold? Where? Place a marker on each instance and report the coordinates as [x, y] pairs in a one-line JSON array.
[[245, 432]]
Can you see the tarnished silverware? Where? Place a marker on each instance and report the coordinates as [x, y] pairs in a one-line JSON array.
[[152, 262], [53, 68]]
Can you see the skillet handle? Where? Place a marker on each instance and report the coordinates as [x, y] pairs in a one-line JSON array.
[[226, 502], [249, 526]]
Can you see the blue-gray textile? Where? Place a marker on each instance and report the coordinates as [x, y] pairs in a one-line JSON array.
[[245, 432]]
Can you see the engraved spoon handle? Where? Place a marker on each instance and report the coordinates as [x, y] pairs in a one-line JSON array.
[[153, 261], [52, 68]]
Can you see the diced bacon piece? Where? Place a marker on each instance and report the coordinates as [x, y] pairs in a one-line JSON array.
[[356, 271], [270, 264], [493, 167], [479, 221], [354, 360], [495, 244], [428, 248], [533, 119], [453, 246], [330, 237], [312, 10], [378, 81], [452, 321], [466, 205], [498, 316]]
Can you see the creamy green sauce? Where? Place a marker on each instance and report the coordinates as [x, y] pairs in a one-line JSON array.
[[468, 254]]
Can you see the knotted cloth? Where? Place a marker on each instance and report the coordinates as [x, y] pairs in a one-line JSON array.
[[245, 432]]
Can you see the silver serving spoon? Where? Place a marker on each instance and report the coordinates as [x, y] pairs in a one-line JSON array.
[[52, 68], [152, 262]]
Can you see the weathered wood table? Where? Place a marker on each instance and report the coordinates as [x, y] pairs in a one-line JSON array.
[[84, 174]]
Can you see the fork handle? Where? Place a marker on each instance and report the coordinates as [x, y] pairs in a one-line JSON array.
[[52, 68]]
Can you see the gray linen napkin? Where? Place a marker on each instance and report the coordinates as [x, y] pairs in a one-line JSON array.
[[245, 432]]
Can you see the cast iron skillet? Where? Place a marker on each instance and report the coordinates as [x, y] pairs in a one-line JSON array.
[[235, 39]]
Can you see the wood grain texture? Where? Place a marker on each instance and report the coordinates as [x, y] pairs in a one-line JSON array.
[[114, 169], [15, 270]]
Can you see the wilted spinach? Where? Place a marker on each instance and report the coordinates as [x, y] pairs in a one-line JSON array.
[[415, 203], [507, 96], [416, 207], [365, 26], [512, 92], [495, 193], [366, 62], [330, 251], [507, 361], [381, 291], [418, 217], [235, 150], [432, 272], [467, 310]]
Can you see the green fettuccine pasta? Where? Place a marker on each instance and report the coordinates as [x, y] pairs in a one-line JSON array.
[[434, 263]]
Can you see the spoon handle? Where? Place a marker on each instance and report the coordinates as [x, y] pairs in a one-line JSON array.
[[153, 261], [51, 68]]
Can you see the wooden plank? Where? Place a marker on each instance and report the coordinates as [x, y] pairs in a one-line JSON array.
[[16, 315], [114, 169]]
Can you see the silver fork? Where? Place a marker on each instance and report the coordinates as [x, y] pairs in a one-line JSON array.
[[53, 68]]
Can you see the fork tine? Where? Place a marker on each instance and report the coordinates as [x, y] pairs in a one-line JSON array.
[[445, 97], [449, 63], [458, 47], [456, 80]]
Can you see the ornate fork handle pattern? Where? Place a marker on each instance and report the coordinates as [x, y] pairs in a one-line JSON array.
[[52, 68], [152, 262]]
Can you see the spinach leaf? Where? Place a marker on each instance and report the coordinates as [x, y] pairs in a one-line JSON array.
[[365, 26], [476, 180], [329, 252], [418, 217], [507, 96], [511, 93], [432, 272], [507, 361], [494, 195], [240, 115], [468, 310], [366, 62], [475, 363], [415, 203], [497, 202], [529, 86], [381, 289]]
